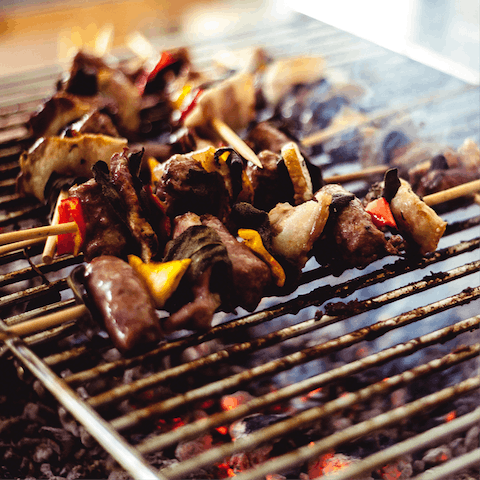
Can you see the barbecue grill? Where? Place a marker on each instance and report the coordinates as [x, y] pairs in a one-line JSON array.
[[304, 359]]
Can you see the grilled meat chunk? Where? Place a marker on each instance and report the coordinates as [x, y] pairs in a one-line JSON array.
[[56, 113], [65, 156], [295, 229], [92, 122], [416, 221], [185, 186], [350, 238], [141, 230], [91, 76], [251, 276], [105, 232], [123, 302], [206, 284]]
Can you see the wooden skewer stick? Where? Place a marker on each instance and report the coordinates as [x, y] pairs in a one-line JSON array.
[[43, 323], [452, 193], [231, 138], [366, 172], [37, 232], [50, 245], [19, 245]]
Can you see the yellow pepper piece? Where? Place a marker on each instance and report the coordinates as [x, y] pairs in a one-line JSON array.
[[298, 171], [206, 158], [161, 278], [156, 172], [178, 101], [253, 240]]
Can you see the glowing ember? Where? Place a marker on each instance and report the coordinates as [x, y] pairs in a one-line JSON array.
[[207, 404], [390, 472], [178, 422], [328, 464], [229, 402], [450, 416], [311, 394], [222, 430], [225, 471]]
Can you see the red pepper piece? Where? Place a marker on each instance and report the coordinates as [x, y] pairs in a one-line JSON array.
[[70, 210], [166, 59], [165, 220], [191, 105], [380, 212]]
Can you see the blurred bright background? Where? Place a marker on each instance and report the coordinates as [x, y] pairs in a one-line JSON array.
[[35, 33], [444, 34]]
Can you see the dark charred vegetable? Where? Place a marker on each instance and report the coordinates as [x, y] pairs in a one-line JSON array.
[[210, 272]]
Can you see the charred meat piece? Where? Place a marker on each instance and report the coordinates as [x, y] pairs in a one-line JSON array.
[[93, 122], [251, 276], [186, 186], [65, 156], [141, 230], [350, 238], [417, 222], [91, 76], [206, 284], [56, 113], [123, 302], [273, 137], [295, 229], [105, 234], [265, 136]]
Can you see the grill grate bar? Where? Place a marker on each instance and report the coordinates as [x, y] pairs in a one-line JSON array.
[[308, 417], [28, 273], [453, 466], [113, 443], [411, 445], [289, 361], [193, 430], [381, 421], [33, 292]]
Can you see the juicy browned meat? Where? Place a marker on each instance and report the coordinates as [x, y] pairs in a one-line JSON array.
[[264, 136], [186, 187], [141, 230], [351, 238], [105, 233], [123, 302], [438, 180], [251, 276], [207, 283], [93, 122], [65, 157]]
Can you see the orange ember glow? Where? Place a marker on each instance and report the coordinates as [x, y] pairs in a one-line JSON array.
[[328, 464], [178, 422], [450, 416], [225, 470], [390, 472], [311, 394], [229, 403], [334, 465], [222, 430], [443, 457]]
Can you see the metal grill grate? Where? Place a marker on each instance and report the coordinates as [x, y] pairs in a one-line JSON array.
[[398, 308]]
